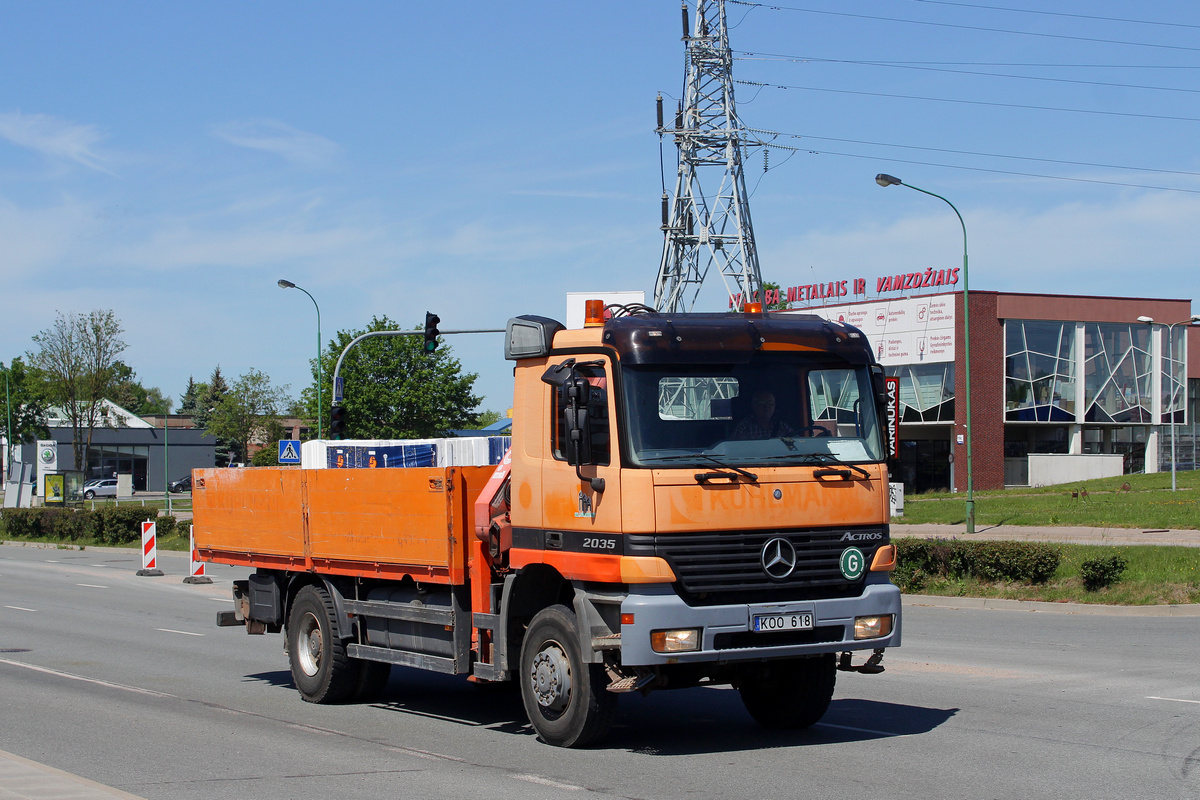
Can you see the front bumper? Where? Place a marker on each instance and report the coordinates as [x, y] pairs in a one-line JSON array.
[[727, 634]]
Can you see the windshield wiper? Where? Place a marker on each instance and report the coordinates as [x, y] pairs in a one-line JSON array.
[[838, 467], [702, 477]]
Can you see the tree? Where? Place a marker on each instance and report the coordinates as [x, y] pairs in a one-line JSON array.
[[130, 395], [245, 412], [774, 292], [394, 389], [489, 417], [22, 402], [209, 396], [78, 357], [191, 396]]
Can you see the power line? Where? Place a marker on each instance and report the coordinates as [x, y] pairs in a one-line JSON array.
[[975, 102], [981, 169], [808, 59], [1059, 14], [972, 153], [965, 27]]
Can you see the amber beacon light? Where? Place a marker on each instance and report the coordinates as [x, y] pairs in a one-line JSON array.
[[593, 313]]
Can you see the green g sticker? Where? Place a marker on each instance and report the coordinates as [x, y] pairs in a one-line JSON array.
[[853, 563]]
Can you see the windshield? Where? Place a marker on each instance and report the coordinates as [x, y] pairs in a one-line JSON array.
[[780, 409]]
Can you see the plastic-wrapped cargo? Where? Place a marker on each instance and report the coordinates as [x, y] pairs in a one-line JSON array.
[[462, 451]]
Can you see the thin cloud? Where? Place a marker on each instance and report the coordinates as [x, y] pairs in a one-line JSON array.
[[54, 138], [273, 136]]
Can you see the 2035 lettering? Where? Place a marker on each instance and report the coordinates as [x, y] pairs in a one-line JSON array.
[[593, 543]]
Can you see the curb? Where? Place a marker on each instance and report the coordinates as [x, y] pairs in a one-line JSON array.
[[1045, 607]]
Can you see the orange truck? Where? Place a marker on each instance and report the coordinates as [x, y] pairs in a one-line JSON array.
[[651, 527]]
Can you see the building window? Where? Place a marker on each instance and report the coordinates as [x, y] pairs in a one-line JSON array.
[[1174, 374], [1039, 371], [926, 392], [1118, 373]]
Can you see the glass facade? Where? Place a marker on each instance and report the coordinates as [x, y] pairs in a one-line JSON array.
[[1043, 361], [1039, 371], [109, 460], [1118, 373], [926, 392]]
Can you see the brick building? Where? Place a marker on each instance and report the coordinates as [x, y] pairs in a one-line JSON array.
[[1050, 374]]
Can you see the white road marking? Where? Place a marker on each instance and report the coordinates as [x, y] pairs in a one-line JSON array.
[[858, 730], [20, 608], [110, 685], [101, 566], [185, 633], [92, 585], [1174, 700], [538, 779], [220, 599]]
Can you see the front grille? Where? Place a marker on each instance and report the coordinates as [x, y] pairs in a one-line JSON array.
[[726, 566], [747, 639]]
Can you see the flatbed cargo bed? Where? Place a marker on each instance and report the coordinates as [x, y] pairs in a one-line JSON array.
[[384, 523]]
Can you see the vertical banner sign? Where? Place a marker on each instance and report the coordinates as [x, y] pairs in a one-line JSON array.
[[150, 550], [893, 415]]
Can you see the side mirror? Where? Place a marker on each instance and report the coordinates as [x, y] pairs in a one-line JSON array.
[[575, 393]]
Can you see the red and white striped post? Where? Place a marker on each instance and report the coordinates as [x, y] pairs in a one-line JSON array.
[[150, 550], [197, 569]]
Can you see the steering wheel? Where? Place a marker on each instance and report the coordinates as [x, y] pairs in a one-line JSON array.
[[814, 430]]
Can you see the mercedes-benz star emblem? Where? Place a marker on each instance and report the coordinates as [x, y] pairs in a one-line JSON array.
[[778, 558]]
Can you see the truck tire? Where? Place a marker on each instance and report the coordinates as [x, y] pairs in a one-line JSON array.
[[565, 698], [790, 694], [321, 670]]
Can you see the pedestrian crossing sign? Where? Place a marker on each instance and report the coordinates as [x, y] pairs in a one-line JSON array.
[[289, 451]]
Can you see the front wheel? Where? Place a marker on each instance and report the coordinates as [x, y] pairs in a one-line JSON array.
[[565, 698], [89, 494], [321, 670], [789, 694]]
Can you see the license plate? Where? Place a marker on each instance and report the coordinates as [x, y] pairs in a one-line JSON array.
[[783, 622]]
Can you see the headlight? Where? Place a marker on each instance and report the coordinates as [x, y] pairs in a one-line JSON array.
[[872, 627], [677, 641]]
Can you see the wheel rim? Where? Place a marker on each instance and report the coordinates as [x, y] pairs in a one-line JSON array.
[[308, 645], [550, 675]]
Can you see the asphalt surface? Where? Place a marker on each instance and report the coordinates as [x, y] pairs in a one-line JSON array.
[[22, 777]]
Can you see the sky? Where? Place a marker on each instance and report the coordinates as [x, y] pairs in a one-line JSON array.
[[172, 161]]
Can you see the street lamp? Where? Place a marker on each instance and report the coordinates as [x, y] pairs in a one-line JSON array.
[[8, 428], [320, 408], [1170, 340], [889, 180]]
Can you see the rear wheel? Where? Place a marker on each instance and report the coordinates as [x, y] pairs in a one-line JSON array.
[[789, 694], [321, 670], [565, 698]]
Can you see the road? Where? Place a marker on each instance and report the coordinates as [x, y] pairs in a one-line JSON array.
[[125, 681]]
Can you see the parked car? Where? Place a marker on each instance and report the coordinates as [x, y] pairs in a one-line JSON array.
[[100, 487], [182, 485]]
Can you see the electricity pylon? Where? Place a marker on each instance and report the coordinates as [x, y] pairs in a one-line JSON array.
[[708, 221]]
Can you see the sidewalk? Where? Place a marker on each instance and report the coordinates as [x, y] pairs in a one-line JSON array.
[[1020, 533], [29, 780]]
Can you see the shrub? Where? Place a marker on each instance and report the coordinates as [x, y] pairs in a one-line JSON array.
[[22, 523], [122, 524], [1026, 562], [1102, 571]]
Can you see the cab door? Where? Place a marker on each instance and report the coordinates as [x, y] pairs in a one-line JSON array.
[[573, 507]]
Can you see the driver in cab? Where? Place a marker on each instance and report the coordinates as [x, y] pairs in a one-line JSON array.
[[762, 423]]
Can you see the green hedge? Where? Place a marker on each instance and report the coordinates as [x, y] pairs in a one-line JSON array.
[[1096, 573], [1022, 562], [111, 525]]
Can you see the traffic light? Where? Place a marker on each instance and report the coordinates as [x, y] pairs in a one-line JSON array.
[[431, 331], [337, 422]]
